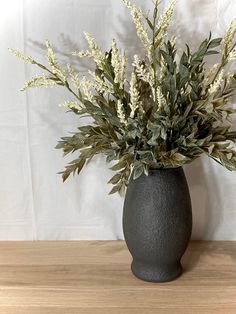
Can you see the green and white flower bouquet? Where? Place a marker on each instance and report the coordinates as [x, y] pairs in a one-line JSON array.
[[166, 113]]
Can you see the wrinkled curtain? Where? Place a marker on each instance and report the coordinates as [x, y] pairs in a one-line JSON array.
[[34, 203]]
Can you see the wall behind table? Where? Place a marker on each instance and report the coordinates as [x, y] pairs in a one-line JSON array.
[[34, 203]]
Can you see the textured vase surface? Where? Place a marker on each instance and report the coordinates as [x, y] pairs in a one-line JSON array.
[[157, 223]]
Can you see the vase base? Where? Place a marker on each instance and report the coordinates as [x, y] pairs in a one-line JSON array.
[[155, 273]]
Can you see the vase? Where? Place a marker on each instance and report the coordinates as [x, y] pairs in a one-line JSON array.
[[157, 223]]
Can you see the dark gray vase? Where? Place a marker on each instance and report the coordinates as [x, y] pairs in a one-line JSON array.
[[157, 223]]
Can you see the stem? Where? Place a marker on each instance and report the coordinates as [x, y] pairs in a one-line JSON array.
[[65, 84], [154, 53], [224, 61], [218, 71]]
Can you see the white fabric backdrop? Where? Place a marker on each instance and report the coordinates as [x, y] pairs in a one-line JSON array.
[[34, 203]]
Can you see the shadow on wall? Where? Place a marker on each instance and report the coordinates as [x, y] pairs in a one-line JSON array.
[[126, 35], [205, 197], [63, 49]]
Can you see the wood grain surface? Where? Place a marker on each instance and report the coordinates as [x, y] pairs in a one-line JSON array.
[[93, 277]]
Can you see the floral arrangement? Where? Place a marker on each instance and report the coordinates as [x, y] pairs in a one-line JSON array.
[[165, 113]]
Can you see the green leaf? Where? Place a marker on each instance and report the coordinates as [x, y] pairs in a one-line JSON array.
[[120, 165], [188, 50], [215, 43], [74, 166], [116, 188], [155, 11], [183, 70], [210, 148], [203, 48], [184, 59], [149, 23], [115, 179], [211, 52], [138, 170], [146, 170], [179, 157]]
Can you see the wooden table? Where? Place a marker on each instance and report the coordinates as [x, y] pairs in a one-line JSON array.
[[93, 277]]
